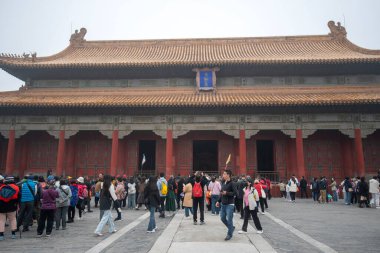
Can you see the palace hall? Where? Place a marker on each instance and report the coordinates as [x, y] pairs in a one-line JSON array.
[[306, 105]]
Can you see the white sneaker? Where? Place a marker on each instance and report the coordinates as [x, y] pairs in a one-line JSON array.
[[263, 213], [156, 228], [260, 231], [242, 232], [153, 231], [114, 231], [98, 234], [79, 218]]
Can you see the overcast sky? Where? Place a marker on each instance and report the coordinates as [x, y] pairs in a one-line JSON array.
[[45, 26]]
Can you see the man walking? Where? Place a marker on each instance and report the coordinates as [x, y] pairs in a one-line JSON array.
[[226, 201]]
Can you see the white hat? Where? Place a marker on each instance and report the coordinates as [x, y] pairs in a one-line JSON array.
[[80, 180], [1, 177]]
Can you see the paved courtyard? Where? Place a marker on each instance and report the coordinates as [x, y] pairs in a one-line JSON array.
[[288, 227]]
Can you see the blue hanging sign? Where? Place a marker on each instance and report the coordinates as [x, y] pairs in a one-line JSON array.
[[205, 80]]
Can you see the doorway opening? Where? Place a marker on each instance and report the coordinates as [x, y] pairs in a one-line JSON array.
[[205, 155], [147, 156], [265, 155]]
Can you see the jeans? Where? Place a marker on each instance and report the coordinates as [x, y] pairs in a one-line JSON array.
[[25, 214], [152, 221], [335, 195], [46, 215], [375, 199], [227, 216], [214, 209], [132, 200], [107, 218], [60, 215], [187, 210], [201, 202], [347, 199], [315, 195], [253, 213]]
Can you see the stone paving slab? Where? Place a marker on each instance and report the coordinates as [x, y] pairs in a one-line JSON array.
[[343, 228], [78, 237], [183, 236]]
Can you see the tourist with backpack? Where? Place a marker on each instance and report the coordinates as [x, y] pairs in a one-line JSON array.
[[198, 181], [63, 202], [9, 197], [82, 195], [162, 186], [73, 201], [250, 199], [28, 195]]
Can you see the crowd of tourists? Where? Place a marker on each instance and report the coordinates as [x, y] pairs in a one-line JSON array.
[[356, 190], [52, 202]]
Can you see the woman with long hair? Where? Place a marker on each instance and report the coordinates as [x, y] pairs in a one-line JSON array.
[[250, 199], [152, 200], [107, 195]]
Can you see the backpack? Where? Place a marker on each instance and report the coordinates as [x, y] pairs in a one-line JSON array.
[[164, 188], [197, 190], [8, 192], [85, 192]]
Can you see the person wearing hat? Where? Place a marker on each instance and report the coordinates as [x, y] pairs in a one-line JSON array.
[[28, 195], [82, 194], [48, 207], [250, 199], [8, 205]]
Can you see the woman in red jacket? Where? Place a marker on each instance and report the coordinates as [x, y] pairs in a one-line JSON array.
[[260, 189]]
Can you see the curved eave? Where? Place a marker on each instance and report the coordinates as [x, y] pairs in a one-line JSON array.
[[8, 65], [190, 105]]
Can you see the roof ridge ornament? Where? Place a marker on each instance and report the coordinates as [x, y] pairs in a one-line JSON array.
[[337, 31], [77, 38]]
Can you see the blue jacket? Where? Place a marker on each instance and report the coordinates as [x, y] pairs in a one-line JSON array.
[[26, 194]]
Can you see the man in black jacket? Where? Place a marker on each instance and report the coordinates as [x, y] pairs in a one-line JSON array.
[[303, 186], [226, 201]]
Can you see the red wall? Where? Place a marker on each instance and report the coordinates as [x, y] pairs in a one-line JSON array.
[[371, 149], [323, 156]]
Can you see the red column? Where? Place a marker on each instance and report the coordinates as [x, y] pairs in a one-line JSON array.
[[10, 153], [70, 166], [61, 153], [169, 152], [114, 152], [359, 152], [299, 153], [242, 153]]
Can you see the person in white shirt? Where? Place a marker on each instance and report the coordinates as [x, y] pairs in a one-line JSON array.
[[374, 190]]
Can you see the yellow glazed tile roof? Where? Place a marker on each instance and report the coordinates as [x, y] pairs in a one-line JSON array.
[[331, 48]]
